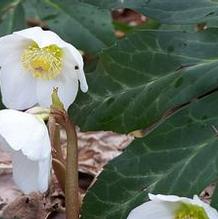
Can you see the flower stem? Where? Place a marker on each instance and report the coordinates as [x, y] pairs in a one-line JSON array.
[[71, 182]]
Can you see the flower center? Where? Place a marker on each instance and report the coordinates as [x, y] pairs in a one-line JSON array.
[[45, 63], [189, 211]]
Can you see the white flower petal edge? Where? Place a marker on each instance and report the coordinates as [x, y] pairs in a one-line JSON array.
[[169, 198], [165, 206], [27, 139], [41, 37], [151, 210], [211, 212]]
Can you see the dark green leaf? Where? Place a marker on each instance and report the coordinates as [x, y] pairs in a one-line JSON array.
[[4, 4], [83, 25], [150, 24], [179, 157], [169, 11], [12, 17], [146, 77], [214, 201]]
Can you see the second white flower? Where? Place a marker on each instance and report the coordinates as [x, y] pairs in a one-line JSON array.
[[173, 207]]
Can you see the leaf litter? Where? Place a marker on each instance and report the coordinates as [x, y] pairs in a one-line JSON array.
[[95, 150]]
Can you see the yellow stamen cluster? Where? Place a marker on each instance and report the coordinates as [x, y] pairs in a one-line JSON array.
[[45, 63], [189, 211]]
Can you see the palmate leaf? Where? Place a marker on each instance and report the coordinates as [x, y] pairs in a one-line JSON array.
[[145, 77], [168, 11], [179, 157]]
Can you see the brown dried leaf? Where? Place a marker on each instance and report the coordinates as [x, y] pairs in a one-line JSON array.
[[8, 190], [207, 193], [128, 16], [97, 148], [26, 207]]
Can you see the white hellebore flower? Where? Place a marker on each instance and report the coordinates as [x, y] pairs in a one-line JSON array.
[[173, 207], [33, 61], [26, 138]]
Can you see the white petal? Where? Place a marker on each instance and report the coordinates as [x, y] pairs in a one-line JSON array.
[[82, 80], [41, 37], [211, 212], [18, 87], [26, 174], [44, 174], [11, 44], [75, 54], [153, 210], [74, 58], [67, 84], [4, 146], [169, 198], [25, 132]]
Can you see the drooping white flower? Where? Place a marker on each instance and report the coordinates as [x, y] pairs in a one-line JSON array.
[[173, 207], [26, 138], [33, 62]]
